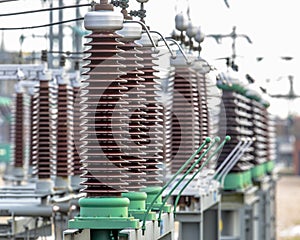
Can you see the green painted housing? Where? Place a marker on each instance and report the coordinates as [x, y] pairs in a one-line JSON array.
[[104, 213], [269, 166], [240, 180], [258, 171], [137, 205]]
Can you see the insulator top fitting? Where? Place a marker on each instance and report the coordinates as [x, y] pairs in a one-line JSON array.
[[199, 36], [104, 5], [131, 31], [104, 18], [146, 42], [62, 61], [181, 22], [191, 30], [44, 57]]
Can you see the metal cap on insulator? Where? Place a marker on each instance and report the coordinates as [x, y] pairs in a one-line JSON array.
[[181, 22], [180, 61], [18, 87], [62, 61], [201, 66], [130, 31], [145, 40], [44, 56], [191, 30], [104, 18], [76, 66], [199, 37], [45, 76]]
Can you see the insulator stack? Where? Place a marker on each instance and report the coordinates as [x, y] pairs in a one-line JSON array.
[[32, 127], [238, 120], [34, 107], [186, 117], [204, 123], [45, 153], [76, 132], [168, 89], [64, 131], [18, 131], [260, 133], [104, 114], [134, 95], [271, 137], [154, 119], [203, 98]]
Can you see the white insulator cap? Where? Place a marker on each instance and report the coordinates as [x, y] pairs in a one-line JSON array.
[[45, 76], [18, 87], [145, 40], [199, 36], [191, 30], [180, 61], [201, 66], [103, 20], [181, 22], [131, 31]]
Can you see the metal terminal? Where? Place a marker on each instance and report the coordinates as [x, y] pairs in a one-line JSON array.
[[180, 49], [147, 31], [166, 43]]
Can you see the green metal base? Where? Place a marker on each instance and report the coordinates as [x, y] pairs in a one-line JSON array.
[[151, 193], [234, 87], [137, 206], [269, 166], [235, 181], [104, 213], [258, 171]]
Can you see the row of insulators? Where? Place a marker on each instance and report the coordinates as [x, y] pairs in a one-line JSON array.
[[45, 124], [243, 118]]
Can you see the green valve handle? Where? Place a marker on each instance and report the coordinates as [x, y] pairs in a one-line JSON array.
[[227, 138], [207, 140]]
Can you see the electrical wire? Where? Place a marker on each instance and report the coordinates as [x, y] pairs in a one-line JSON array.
[[4, 1], [41, 26], [65, 52], [44, 10]]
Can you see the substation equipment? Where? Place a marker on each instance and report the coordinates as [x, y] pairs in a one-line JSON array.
[[133, 150]]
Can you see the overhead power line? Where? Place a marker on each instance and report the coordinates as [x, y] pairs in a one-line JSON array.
[[41, 26], [44, 10], [4, 1]]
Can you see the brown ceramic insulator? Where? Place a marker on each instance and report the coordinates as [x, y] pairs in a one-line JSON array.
[[134, 95], [18, 131], [238, 120], [34, 106], [154, 119], [32, 127], [76, 131], [260, 132], [103, 119], [186, 117], [271, 136], [45, 152], [64, 131], [204, 113], [168, 112]]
